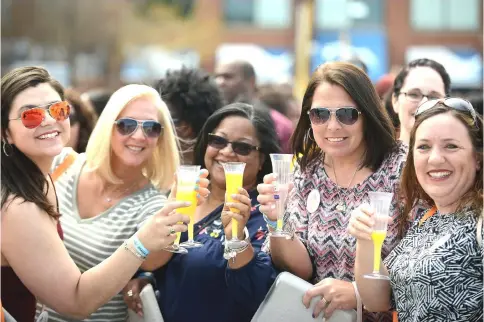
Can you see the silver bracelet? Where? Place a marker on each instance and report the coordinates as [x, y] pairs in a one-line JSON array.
[[132, 251], [231, 253]]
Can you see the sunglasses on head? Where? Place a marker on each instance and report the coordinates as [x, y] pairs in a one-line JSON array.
[[455, 103], [344, 115], [127, 126], [240, 148], [34, 116]]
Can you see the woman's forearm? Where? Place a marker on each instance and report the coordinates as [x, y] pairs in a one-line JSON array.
[[375, 294], [95, 289], [291, 255]]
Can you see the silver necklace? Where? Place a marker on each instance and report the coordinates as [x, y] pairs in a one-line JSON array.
[[342, 205], [121, 192]]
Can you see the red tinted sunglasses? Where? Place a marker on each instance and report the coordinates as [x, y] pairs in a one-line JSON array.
[[33, 117]]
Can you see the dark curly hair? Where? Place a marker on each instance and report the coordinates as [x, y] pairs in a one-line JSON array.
[[191, 94]]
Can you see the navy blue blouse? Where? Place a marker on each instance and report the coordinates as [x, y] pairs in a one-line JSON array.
[[200, 286]]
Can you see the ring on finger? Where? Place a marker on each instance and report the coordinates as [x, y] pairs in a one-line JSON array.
[[129, 293], [172, 231]]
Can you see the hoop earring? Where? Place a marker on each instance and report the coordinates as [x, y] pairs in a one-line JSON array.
[[5, 150]]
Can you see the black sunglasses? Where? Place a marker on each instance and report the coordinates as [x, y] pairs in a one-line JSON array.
[[240, 148], [455, 103], [344, 115], [127, 126]]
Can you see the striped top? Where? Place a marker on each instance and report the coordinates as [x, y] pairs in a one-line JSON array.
[[90, 241]]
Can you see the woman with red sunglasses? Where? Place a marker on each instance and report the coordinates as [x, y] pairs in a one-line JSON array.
[[35, 263], [346, 148]]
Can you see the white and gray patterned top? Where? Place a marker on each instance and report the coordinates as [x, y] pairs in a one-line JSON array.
[[90, 241], [436, 270]]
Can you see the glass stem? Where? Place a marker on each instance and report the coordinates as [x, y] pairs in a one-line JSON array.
[[376, 257]]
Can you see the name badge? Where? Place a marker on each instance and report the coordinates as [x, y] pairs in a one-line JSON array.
[[313, 200]]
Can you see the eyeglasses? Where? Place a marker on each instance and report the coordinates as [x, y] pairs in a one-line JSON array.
[[417, 97], [344, 115], [127, 126], [455, 103], [240, 148], [33, 117]]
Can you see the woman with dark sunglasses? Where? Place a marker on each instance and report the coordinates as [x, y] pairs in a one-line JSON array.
[[203, 285], [35, 263], [108, 193], [346, 148], [436, 270]]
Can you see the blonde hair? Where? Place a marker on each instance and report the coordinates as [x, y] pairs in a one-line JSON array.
[[165, 159]]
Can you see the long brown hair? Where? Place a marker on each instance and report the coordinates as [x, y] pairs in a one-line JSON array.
[[21, 177], [410, 189], [378, 130]]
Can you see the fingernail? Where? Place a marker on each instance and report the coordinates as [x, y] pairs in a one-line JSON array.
[[233, 195], [314, 316], [273, 206], [198, 195], [198, 180], [275, 176], [197, 187], [276, 197], [276, 188]]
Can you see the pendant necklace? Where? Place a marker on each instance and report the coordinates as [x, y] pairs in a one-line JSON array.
[[342, 205]]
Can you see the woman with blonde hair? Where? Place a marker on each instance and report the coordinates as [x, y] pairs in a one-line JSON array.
[[106, 194], [35, 264]]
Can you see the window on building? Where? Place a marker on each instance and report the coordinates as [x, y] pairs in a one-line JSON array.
[[271, 14], [458, 15], [340, 14]]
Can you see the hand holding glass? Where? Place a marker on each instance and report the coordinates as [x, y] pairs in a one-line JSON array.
[[281, 167], [187, 180], [380, 202], [234, 177]]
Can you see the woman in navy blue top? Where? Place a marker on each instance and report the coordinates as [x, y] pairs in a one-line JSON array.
[[202, 285]]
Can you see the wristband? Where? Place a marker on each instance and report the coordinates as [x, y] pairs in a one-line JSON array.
[[140, 248]]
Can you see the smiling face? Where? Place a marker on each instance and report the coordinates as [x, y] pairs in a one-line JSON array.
[[135, 149], [234, 129], [45, 141], [336, 139], [419, 80], [444, 158]]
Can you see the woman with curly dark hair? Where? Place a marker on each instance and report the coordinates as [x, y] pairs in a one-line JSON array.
[[192, 96]]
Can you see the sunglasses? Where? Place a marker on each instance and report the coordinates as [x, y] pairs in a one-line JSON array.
[[240, 148], [455, 103], [344, 115], [127, 126], [33, 117]]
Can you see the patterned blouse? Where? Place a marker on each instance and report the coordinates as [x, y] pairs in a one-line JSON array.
[[323, 232], [436, 270]]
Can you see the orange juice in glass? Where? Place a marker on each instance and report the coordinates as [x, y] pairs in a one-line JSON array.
[[234, 179], [187, 179], [380, 202]]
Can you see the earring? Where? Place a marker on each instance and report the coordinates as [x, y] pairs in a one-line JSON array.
[[4, 149]]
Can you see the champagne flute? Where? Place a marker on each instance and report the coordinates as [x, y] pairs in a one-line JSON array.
[[187, 179], [234, 177], [380, 202], [281, 166]]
